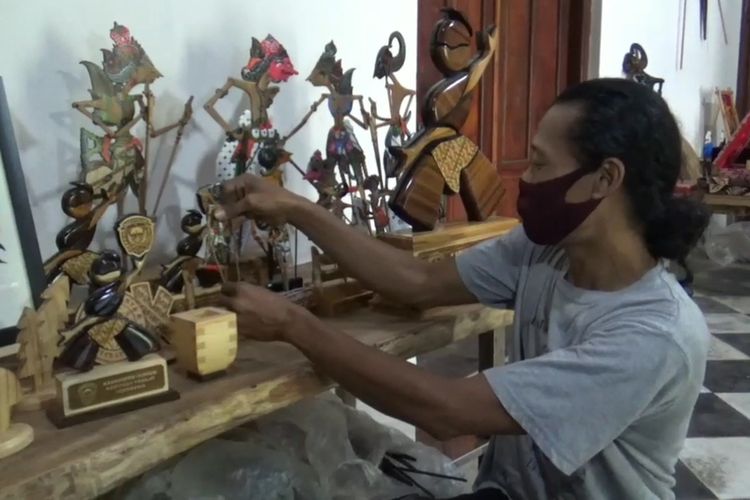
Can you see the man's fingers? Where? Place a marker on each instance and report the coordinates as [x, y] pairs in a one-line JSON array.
[[229, 289], [231, 210], [229, 303]]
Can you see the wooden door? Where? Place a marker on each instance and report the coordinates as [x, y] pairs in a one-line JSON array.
[[543, 48], [743, 68]]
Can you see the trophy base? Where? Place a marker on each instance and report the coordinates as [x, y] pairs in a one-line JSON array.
[[15, 438], [36, 400], [62, 421], [110, 390]]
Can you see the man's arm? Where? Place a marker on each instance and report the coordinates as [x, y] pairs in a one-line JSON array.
[[394, 273], [443, 407]]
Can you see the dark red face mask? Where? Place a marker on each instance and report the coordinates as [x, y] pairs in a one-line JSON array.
[[547, 217]]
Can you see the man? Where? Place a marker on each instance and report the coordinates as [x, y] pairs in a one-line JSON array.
[[608, 351]]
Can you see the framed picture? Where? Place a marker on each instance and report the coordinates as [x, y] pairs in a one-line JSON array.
[[22, 279]]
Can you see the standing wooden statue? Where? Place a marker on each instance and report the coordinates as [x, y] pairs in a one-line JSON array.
[[254, 146], [13, 437], [439, 159], [108, 328]]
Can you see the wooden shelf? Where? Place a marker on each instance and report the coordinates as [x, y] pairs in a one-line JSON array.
[[91, 459], [450, 238]]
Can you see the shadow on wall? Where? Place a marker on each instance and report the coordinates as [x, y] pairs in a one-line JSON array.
[[52, 158]]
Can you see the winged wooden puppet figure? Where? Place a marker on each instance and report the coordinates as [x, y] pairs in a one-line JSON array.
[[118, 159], [438, 159], [115, 161]]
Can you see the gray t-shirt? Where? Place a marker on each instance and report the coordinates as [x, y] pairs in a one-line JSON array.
[[603, 383]]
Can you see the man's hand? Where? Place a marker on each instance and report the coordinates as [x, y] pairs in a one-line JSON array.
[[261, 315], [255, 197]]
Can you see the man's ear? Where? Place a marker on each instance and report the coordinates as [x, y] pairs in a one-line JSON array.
[[609, 178]]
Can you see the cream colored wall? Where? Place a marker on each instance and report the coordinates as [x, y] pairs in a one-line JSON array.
[[196, 45], [655, 24]]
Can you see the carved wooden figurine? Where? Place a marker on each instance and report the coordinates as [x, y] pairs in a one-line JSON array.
[[13, 437], [634, 66], [104, 331], [254, 146], [187, 250], [39, 332], [205, 341], [439, 159], [73, 257], [118, 159], [38, 340]]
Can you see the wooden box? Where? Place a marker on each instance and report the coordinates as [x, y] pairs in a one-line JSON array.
[[205, 340]]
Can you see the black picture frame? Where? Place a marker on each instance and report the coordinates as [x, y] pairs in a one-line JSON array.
[[19, 202]]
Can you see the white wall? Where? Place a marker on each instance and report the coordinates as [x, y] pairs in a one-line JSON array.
[[196, 45], [655, 24]]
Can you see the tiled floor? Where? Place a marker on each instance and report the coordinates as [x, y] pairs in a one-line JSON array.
[[715, 461]]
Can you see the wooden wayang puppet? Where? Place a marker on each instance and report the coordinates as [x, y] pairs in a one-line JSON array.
[[255, 145], [386, 66], [343, 152], [116, 161], [439, 159], [119, 159]]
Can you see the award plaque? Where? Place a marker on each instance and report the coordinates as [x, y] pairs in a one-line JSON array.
[[109, 390], [136, 234]]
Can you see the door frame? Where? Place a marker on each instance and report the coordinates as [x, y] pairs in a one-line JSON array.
[[743, 67]]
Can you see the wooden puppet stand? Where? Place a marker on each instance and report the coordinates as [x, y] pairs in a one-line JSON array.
[[445, 241], [450, 238], [333, 292]]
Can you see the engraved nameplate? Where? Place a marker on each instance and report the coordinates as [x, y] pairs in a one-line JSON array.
[[113, 384]]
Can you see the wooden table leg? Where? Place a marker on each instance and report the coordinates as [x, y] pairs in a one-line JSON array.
[[492, 348]]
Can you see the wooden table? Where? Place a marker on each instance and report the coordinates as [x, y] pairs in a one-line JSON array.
[[91, 459], [727, 204]]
